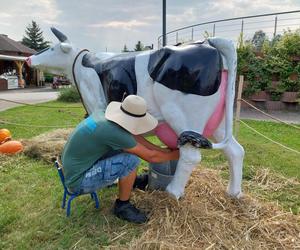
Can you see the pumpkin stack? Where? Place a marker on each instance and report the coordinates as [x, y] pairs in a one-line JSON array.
[[7, 145]]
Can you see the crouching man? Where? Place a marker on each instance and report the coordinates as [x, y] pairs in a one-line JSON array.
[[106, 147]]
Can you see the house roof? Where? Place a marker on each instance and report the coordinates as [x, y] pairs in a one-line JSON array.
[[12, 58], [7, 44]]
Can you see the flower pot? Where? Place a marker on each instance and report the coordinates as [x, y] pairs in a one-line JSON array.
[[293, 76], [291, 106], [245, 105], [289, 97], [274, 105], [260, 96]]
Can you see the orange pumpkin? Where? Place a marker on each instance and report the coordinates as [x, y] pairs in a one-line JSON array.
[[11, 147], [5, 135]]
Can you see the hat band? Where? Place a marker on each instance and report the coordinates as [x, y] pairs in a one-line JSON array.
[[131, 114]]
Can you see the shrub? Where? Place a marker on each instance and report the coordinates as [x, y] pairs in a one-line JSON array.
[[245, 54], [279, 62], [69, 95], [289, 44], [291, 85]]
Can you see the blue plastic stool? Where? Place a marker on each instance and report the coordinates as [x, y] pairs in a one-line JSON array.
[[94, 195]]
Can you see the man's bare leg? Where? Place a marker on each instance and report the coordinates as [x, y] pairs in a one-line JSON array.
[[125, 186]]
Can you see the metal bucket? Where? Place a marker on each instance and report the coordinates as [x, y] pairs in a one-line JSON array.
[[161, 174]]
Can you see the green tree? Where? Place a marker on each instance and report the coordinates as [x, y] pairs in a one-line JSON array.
[[139, 46], [125, 49], [34, 37]]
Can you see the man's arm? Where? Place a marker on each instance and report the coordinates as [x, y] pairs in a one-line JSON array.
[[153, 155], [140, 139]]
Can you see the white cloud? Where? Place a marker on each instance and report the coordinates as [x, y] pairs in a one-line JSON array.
[[5, 23], [119, 24], [5, 15], [152, 18], [97, 24]]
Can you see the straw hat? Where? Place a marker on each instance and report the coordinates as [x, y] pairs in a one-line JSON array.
[[131, 115]]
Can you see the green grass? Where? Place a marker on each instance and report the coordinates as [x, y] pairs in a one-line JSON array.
[[64, 116], [31, 193], [261, 153], [31, 217]]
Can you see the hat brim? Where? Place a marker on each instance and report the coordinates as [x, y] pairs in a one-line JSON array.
[[135, 125]]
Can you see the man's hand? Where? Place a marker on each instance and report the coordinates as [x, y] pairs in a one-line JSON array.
[[140, 139], [153, 155]]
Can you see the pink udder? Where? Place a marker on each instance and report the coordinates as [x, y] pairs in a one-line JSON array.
[[168, 136], [217, 116]]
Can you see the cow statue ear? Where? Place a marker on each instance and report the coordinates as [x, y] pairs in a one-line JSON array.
[[65, 47]]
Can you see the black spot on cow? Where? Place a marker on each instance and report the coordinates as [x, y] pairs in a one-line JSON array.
[[193, 69], [117, 74]]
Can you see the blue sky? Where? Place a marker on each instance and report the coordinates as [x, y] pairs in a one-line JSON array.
[[109, 24]]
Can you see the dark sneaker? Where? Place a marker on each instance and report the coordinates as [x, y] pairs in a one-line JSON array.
[[130, 213], [141, 182]]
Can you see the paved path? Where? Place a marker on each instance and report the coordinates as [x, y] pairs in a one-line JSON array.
[[38, 95], [287, 116], [30, 95]]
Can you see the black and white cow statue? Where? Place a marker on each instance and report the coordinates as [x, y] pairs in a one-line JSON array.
[[189, 88]]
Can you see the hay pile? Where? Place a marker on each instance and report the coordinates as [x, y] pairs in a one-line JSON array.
[[206, 218], [46, 146]]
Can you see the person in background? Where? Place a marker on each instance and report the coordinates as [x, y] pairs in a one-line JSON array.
[[107, 146]]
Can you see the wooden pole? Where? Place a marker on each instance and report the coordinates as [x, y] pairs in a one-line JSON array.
[[238, 105], [275, 27], [19, 70]]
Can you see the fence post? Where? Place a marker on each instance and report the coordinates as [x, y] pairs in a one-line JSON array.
[[176, 37], [192, 34], [242, 28], [214, 29], [238, 105], [275, 27]]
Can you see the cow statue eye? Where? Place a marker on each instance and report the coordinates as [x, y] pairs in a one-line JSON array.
[[52, 49]]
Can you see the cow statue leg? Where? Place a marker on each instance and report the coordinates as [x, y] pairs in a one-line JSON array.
[[190, 157], [188, 121], [234, 153]]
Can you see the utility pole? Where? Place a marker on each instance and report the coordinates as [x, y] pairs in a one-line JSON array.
[[164, 23]]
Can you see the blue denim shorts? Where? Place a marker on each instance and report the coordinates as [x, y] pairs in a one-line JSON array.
[[104, 172]]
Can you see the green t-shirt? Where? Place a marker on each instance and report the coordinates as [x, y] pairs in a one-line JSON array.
[[93, 138]]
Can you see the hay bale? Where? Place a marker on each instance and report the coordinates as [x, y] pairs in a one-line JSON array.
[[206, 218], [46, 146]]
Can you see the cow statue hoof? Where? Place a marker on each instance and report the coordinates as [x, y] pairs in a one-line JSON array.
[[235, 194], [175, 193]]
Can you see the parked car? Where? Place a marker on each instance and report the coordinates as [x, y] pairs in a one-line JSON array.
[[59, 81]]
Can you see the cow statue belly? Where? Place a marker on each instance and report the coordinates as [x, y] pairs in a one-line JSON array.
[[189, 89]]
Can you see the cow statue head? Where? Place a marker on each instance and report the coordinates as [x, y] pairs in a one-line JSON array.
[[56, 59]]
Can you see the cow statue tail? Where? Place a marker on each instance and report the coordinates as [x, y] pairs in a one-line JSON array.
[[227, 49]]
